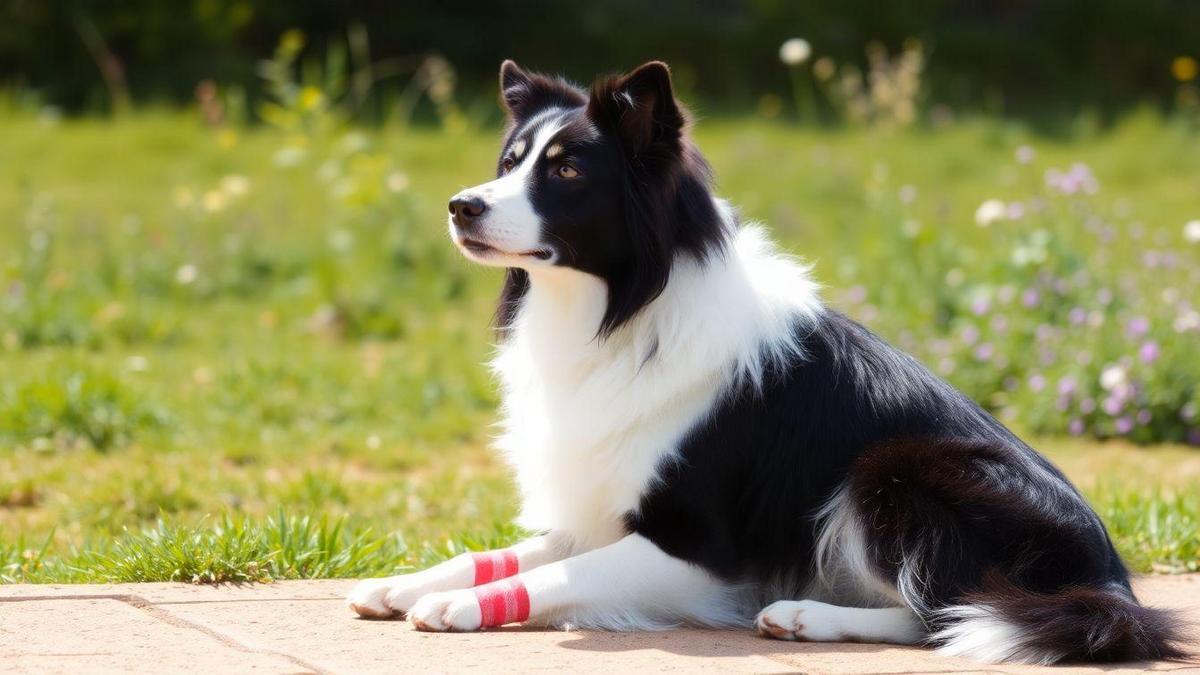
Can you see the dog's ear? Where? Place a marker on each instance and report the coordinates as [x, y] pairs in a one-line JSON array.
[[523, 93], [642, 109], [515, 85]]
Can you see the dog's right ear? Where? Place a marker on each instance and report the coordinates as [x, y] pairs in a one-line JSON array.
[[523, 93], [515, 85]]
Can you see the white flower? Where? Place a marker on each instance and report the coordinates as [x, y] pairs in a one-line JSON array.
[[1025, 154], [1191, 232], [235, 185], [989, 212], [186, 274], [397, 181], [1112, 377], [795, 51]]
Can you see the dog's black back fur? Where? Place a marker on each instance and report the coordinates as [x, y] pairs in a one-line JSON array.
[[928, 472]]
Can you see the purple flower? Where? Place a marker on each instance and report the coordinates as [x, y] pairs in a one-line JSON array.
[[1137, 326], [985, 352], [1030, 297], [1087, 405], [856, 294], [980, 306], [1144, 417], [1037, 382], [999, 323], [1123, 425], [1193, 436], [1149, 351], [1112, 406], [1077, 316], [1067, 386], [969, 335], [1078, 178], [1076, 427]]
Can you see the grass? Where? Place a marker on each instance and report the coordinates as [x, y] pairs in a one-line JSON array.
[[247, 355]]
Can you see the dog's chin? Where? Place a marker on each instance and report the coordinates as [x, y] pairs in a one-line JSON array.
[[481, 251]]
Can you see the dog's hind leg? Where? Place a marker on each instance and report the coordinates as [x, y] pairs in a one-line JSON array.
[[386, 597], [819, 622], [1002, 560]]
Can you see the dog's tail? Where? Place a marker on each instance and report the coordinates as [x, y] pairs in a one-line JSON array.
[[1004, 623]]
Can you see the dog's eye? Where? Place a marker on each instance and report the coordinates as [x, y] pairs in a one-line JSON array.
[[567, 171], [507, 164]]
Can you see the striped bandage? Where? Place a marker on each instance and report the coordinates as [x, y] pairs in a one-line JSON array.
[[494, 565], [501, 602]]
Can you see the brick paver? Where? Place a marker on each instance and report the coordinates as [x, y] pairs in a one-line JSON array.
[[304, 626]]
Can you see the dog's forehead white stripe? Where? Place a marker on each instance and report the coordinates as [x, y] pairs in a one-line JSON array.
[[544, 126]]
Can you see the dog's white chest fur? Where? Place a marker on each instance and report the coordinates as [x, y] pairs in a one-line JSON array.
[[587, 421]]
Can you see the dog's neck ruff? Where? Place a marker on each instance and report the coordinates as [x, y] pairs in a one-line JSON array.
[[587, 420]]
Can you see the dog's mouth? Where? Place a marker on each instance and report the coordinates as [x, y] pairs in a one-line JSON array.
[[484, 249]]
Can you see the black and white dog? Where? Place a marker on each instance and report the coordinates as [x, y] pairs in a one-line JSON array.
[[700, 441]]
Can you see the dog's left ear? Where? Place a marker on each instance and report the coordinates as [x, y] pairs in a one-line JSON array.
[[642, 109], [523, 93]]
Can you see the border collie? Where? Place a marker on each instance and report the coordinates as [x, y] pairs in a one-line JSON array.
[[699, 440]]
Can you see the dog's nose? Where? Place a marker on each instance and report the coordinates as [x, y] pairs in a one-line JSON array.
[[466, 209]]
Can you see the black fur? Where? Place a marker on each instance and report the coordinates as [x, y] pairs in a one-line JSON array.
[[930, 474]]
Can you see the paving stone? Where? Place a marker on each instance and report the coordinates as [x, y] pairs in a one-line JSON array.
[[304, 626]]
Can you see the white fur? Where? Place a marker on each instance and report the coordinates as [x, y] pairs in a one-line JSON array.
[[820, 622], [977, 632], [844, 572], [587, 421]]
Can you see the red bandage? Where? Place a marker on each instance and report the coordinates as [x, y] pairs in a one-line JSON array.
[[494, 565], [503, 602]]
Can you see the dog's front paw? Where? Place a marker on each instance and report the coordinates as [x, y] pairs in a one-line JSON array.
[[456, 611], [369, 598], [389, 596]]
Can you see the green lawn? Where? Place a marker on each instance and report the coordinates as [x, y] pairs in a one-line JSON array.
[[249, 354]]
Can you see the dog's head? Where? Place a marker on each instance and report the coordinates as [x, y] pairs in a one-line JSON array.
[[604, 182]]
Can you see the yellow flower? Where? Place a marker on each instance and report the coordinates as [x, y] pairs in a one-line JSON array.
[[1184, 68], [311, 98], [226, 139], [213, 201]]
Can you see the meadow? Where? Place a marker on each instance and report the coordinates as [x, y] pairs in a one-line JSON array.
[[250, 353]]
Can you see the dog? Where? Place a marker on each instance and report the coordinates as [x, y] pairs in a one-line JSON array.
[[700, 441]]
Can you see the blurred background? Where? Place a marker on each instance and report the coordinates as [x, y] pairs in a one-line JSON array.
[[235, 343]]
